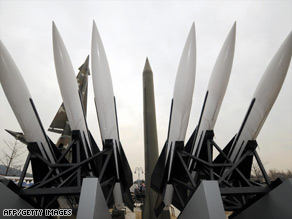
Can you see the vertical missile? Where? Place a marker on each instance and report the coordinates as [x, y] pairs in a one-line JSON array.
[[183, 92], [216, 90], [263, 98], [106, 112], [181, 103], [103, 92], [150, 139], [69, 89]]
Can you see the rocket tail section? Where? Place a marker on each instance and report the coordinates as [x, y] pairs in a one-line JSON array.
[[190, 143], [49, 149], [159, 180], [126, 173], [126, 178], [116, 183], [159, 174]]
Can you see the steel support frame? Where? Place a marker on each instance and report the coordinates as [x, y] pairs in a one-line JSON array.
[[66, 181], [236, 192]]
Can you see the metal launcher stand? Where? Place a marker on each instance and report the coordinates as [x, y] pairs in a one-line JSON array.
[[237, 189], [63, 180]]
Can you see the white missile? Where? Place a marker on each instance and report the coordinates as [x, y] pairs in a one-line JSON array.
[[69, 90], [263, 98], [216, 90], [181, 103], [105, 103], [22, 104], [183, 92]]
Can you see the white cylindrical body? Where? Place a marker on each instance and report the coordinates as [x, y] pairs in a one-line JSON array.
[[103, 88], [216, 89], [20, 99], [264, 98], [69, 88], [105, 102], [183, 94]]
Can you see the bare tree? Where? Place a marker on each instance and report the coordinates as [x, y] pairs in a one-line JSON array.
[[11, 155], [256, 172], [274, 174]]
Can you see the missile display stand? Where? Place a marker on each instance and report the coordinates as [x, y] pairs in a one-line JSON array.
[[237, 191], [64, 179]]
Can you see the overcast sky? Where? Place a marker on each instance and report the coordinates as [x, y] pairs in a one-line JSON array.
[[134, 30]]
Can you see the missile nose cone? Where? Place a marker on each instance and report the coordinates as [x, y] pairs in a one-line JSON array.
[[147, 67], [10, 132], [84, 67], [186, 73], [95, 35], [233, 29], [1, 55], [55, 32], [193, 27], [56, 36], [99, 64], [288, 43], [231, 36], [192, 34], [4, 56]]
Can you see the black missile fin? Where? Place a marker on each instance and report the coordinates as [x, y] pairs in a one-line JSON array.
[[191, 141], [159, 174]]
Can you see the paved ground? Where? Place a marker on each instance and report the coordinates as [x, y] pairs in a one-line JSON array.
[[137, 214]]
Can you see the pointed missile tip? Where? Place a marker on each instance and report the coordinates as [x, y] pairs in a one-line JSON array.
[[193, 27], [94, 30], [147, 66], [234, 25], [287, 43], [10, 132], [55, 30], [232, 31], [94, 27], [85, 64], [193, 30], [54, 26], [290, 35]]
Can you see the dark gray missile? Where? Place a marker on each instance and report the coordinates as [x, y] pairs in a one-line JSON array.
[[150, 141]]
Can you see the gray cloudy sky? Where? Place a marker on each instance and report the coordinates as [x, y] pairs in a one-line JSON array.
[[132, 30]]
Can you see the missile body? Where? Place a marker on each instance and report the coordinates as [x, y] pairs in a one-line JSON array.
[[150, 139], [22, 104], [106, 111], [263, 99], [216, 90], [60, 122], [181, 103], [69, 90]]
